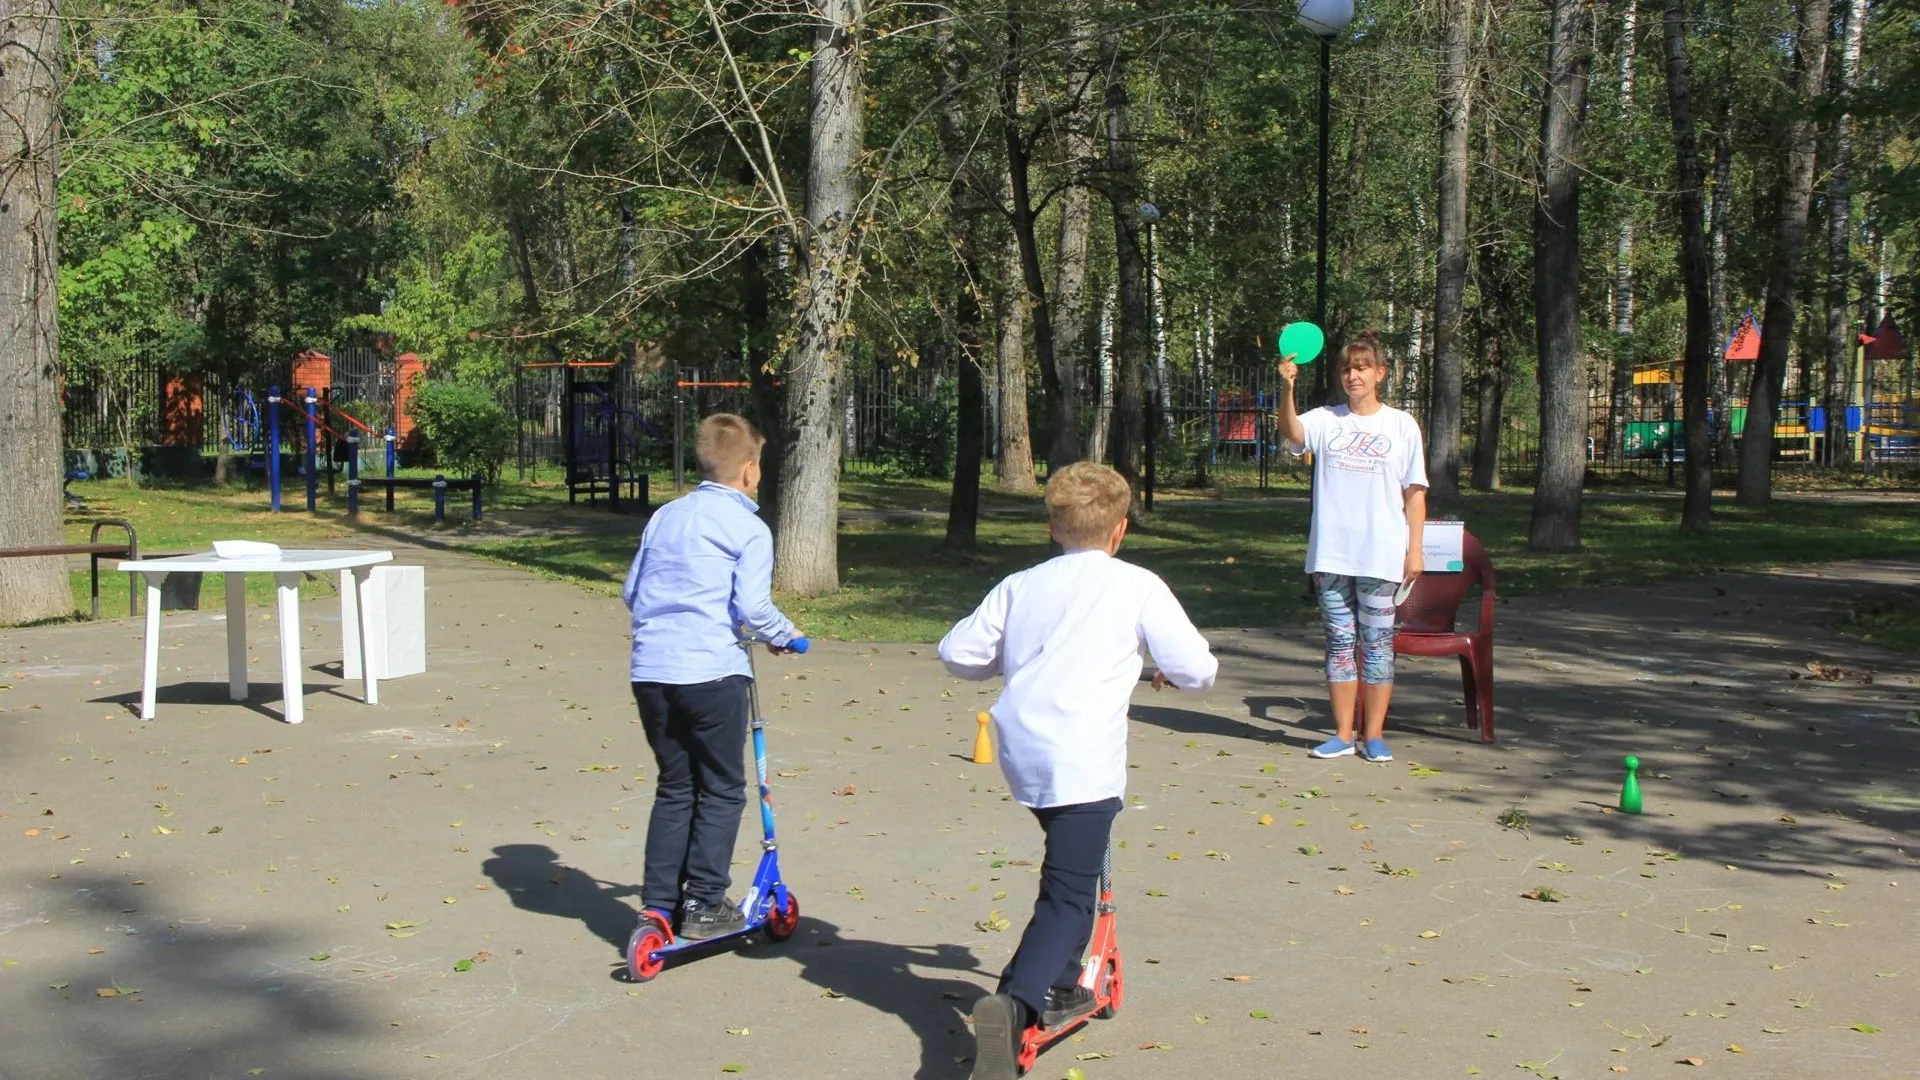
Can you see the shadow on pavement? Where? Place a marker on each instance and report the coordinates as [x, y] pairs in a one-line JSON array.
[[881, 976], [535, 879], [176, 997]]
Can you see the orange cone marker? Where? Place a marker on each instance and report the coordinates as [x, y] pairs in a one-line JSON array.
[[983, 742]]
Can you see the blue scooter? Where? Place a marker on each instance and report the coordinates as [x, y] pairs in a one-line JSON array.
[[769, 904]]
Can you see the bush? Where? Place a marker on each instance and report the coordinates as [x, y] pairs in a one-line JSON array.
[[917, 438], [466, 430]]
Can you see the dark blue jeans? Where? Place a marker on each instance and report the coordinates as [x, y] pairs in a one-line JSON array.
[[1049, 952], [698, 733]]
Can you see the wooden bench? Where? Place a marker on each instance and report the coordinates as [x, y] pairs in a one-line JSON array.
[[94, 550]]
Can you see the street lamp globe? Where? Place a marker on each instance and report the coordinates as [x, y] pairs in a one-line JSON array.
[[1324, 18]]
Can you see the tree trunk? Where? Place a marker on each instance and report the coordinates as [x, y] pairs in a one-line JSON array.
[[1131, 341], [1103, 407], [1696, 514], [1013, 466], [806, 548], [1556, 287], [1064, 446], [767, 392], [1717, 282], [1493, 400], [1839, 374], [1076, 230], [966, 210], [1621, 399], [1450, 277], [31, 462], [1789, 243]]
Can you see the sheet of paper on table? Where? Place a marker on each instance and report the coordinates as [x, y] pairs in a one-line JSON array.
[[1440, 546], [245, 549]]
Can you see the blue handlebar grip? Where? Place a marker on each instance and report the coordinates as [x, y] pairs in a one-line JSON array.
[[797, 645]]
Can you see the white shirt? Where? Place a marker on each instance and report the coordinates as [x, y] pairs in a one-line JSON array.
[[1068, 634], [1362, 468]]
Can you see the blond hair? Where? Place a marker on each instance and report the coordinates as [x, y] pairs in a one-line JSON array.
[[1085, 501], [1367, 341], [724, 445]]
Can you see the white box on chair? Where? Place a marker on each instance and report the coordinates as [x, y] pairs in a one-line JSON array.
[[396, 621]]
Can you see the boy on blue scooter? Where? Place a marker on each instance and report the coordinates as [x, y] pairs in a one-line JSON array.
[[703, 571]]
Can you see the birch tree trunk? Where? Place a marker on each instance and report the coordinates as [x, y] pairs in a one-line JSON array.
[[1839, 373], [1450, 277], [1621, 398], [1556, 286], [1696, 514], [1013, 465], [31, 461], [1103, 407], [1789, 244], [806, 547]]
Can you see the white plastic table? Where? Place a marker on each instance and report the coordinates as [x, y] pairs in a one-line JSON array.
[[286, 568]]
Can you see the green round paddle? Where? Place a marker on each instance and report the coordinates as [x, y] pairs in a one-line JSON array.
[[1301, 340]]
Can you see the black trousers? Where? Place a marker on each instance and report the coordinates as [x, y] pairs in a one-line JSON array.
[[698, 733], [1049, 952]]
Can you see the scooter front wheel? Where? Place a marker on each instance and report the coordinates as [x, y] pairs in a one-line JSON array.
[[647, 939], [783, 919]]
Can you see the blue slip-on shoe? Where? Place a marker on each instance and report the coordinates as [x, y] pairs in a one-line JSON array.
[[1334, 747], [1376, 750]]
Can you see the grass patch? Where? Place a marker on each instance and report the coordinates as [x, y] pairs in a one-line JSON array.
[[1234, 560], [1891, 622], [1237, 562]]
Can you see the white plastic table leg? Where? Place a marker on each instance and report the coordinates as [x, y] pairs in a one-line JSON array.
[[150, 683], [292, 692], [237, 636], [352, 637], [354, 629]]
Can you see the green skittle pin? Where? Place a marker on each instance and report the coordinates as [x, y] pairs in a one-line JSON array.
[[1630, 790]]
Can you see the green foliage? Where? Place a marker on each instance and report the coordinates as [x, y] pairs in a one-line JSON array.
[[467, 432], [918, 437]]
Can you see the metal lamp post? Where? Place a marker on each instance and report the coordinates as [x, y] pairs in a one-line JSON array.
[[1325, 20]]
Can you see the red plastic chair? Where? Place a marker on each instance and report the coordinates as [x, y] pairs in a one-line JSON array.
[[1427, 628]]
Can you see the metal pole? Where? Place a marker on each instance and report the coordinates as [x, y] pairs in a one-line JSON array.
[[313, 465], [476, 498], [1152, 419], [1320, 375], [273, 446], [353, 473], [679, 429], [439, 498]]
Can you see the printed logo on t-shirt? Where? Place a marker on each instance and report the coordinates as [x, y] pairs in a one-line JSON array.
[[1360, 451]]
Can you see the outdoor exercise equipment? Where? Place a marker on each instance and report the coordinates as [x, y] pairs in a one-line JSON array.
[[769, 904]]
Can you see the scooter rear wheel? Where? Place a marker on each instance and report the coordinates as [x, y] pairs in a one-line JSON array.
[[647, 938], [784, 919], [1112, 988]]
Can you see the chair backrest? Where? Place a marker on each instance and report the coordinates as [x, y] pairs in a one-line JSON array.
[[1434, 605]]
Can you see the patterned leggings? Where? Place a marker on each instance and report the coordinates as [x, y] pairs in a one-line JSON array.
[[1371, 599]]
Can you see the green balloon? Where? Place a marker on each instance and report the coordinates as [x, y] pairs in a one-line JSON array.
[[1301, 340]]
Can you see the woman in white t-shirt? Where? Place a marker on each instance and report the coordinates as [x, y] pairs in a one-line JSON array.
[[1369, 506]]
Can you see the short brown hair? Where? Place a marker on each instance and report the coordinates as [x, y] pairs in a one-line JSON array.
[[724, 445], [1367, 341], [1085, 501]]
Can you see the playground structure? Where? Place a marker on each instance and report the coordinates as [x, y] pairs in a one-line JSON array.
[[1882, 421], [601, 431]]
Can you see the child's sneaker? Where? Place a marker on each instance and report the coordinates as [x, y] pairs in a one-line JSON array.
[[1376, 750], [997, 1022], [699, 920], [1334, 747], [1063, 1004]]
